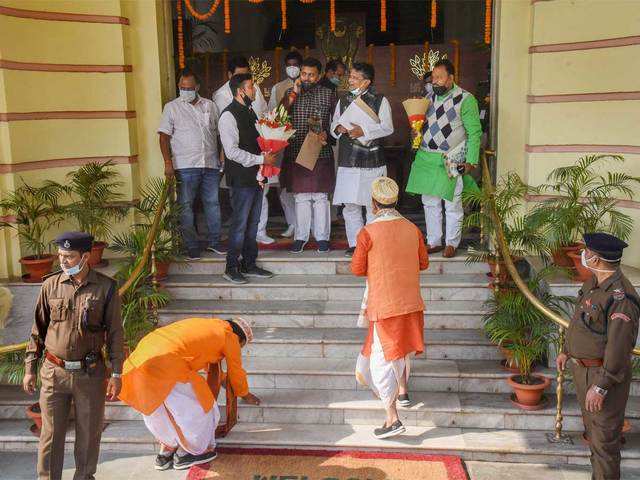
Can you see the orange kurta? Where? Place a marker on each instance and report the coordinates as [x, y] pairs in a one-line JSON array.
[[176, 353], [391, 254]]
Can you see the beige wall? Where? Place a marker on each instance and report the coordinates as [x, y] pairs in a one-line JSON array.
[[584, 124]]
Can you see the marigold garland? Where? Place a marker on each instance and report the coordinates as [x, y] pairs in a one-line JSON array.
[[276, 62], [456, 58], [225, 62], [306, 1], [283, 9], [392, 73], [434, 13], [370, 54], [487, 21], [256, 1], [332, 15], [202, 16], [383, 15], [180, 34], [227, 17]]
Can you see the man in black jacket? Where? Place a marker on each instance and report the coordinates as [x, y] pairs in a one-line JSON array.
[[239, 139]]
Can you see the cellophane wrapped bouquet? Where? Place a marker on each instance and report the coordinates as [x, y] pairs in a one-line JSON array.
[[275, 130]]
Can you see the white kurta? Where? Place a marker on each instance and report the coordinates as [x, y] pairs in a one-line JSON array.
[[181, 422], [353, 185]]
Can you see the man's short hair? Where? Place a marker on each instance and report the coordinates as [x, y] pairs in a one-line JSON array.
[[334, 64], [238, 331], [237, 62], [446, 63], [426, 75], [237, 81], [366, 69], [312, 62], [293, 55], [187, 72], [382, 206]]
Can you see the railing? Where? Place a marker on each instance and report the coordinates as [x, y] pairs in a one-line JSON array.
[[149, 254], [563, 323]]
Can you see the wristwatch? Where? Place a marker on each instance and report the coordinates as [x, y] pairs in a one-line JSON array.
[[600, 391], [116, 375]]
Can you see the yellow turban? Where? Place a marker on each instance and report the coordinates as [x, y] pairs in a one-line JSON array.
[[384, 191]]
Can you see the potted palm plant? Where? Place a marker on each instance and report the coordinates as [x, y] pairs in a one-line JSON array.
[[514, 323], [32, 212], [584, 200], [96, 204]]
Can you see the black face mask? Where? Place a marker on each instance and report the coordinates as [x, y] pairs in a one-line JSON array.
[[246, 100], [440, 89], [307, 85]]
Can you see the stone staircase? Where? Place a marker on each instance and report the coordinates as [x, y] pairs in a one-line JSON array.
[[302, 363]]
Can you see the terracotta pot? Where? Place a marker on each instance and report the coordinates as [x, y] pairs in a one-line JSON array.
[[96, 253], [162, 270], [560, 257], [582, 274], [503, 276], [37, 267], [34, 413], [528, 395]]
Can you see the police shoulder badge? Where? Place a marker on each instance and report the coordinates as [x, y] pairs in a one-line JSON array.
[[66, 244], [618, 294]]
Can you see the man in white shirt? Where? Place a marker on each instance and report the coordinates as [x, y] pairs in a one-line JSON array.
[[223, 96], [240, 141], [189, 145], [360, 152]]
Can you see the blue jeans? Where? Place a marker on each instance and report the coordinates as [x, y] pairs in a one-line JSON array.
[[247, 205], [206, 181]]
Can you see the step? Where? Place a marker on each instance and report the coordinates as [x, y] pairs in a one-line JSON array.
[[470, 444], [447, 314], [295, 343], [340, 407], [318, 287], [314, 263]]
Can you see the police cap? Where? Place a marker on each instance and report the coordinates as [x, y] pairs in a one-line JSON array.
[[75, 241], [607, 246]]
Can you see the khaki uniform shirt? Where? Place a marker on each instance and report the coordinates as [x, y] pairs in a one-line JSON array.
[[59, 311], [605, 326]]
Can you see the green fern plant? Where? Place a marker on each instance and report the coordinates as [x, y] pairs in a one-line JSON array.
[[584, 200], [513, 323], [12, 368]]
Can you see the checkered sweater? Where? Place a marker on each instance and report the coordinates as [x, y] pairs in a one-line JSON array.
[[444, 129]]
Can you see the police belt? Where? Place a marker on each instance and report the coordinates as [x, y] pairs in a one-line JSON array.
[[67, 365], [588, 362]]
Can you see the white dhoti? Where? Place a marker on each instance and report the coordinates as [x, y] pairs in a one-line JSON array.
[[382, 376], [181, 422], [454, 215]]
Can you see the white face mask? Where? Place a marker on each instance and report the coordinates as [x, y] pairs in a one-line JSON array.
[[584, 260], [188, 95], [73, 270], [293, 72]]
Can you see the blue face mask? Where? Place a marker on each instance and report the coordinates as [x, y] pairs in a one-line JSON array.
[[335, 81], [73, 270]]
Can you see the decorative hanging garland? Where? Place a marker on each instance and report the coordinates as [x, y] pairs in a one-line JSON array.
[[487, 21], [283, 9], [307, 1], [227, 17], [370, 54], [383, 15], [256, 1], [225, 63], [180, 35], [392, 73], [456, 58], [332, 15], [434, 13], [276, 62], [202, 16]]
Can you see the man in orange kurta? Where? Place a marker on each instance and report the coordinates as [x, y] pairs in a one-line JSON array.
[[162, 380], [390, 252]]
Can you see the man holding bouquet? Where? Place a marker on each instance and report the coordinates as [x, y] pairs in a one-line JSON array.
[[239, 138], [449, 151]]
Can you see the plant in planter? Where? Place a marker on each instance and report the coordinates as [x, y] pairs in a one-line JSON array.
[[35, 210], [12, 370], [515, 324], [96, 203], [584, 200], [523, 232]]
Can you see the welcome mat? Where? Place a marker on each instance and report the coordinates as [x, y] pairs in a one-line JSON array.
[[278, 464]]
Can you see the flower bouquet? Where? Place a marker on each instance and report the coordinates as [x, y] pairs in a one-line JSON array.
[[275, 130], [416, 109]]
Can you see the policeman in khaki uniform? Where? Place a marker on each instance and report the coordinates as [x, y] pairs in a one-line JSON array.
[[77, 313], [599, 342]]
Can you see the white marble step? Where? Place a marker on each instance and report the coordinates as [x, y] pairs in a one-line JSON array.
[[439, 314], [340, 407], [318, 287], [314, 263], [516, 446], [294, 343]]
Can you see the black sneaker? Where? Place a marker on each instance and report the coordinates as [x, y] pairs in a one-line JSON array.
[[219, 249], [298, 246], [183, 462], [403, 400], [349, 252], [233, 275], [324, 246], [256, 272], [385, 432], [163, 462]]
